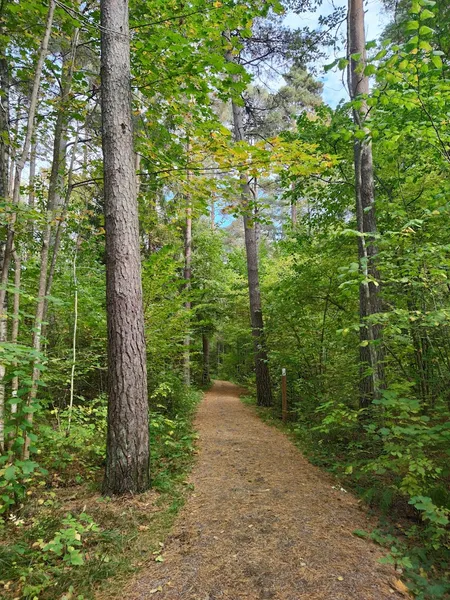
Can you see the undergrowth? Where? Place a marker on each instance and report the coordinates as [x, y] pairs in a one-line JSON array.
[[63, 540]]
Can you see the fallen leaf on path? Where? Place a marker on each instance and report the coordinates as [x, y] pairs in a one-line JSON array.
[[400, 587], [340, 578], [155, 590]]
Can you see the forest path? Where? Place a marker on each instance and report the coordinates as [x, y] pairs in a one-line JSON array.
[[262, 522]]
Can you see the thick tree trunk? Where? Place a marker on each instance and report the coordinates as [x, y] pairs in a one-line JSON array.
[[127, 461], [263, 382], [371, 355]]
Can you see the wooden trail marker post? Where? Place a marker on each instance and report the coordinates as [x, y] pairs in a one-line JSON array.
[[284, 406]]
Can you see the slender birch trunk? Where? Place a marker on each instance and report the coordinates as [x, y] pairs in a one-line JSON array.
[[371, 356], [213, 214], [187, 285], [32, 179], [206, 378], [16, 321], [293, 209], [2, 382], [263, 381], [74, 334], [59, 230], [4, 185], [55, 193], [20, 163]]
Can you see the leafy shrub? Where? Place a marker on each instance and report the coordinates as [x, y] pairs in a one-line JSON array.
[[78, 452], [33, 563], [67, 543], [16, 477], [411, 448], [172, 440]]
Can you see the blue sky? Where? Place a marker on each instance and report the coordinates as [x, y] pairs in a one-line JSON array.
[[334, 87]]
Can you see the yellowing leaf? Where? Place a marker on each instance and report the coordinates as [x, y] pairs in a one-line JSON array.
[[400, 587]]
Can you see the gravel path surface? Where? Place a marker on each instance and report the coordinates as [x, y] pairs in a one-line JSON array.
[[262, 522]]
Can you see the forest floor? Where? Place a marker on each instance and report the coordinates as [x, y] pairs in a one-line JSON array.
[[262, 522]]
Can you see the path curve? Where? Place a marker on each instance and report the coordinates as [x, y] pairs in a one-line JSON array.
[[262, 522]]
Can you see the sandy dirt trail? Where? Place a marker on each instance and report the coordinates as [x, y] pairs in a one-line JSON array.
[[261, 523]]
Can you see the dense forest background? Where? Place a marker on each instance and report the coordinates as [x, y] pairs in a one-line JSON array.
[[352, 298]]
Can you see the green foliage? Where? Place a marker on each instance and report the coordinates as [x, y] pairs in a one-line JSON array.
[[76, 454], [396, 452], [39, 564], [410, 448], [68, 541], [16, 477], [413, 561], [172, 440], [44, 550]]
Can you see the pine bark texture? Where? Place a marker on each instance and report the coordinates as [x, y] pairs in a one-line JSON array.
[[371, 354], [127, 462], [4, 125], [263, 381]]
